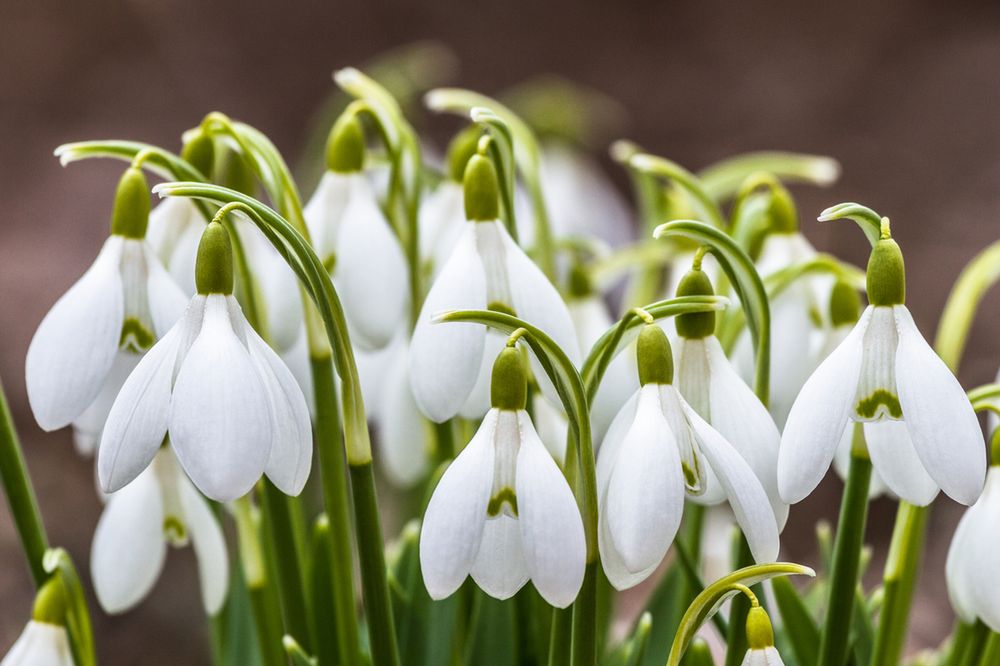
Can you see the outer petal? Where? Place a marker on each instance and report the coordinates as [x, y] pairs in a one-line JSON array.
[[938, 415], [892, 454], [984, 552], [167, 222], [75, 345], [818, 418], [370, 272], [500, 568], [40, 644], [959, 569], [445, 359], [743, 490], [129, 547], [182, 259], [403, 431], [291, 447], [137, 422], [645, 496], [456, 515], [478, 402], [220, 423], [552, 427], [607, 454], [166, 299], [324, 212], [740, 417], [842, 462], [209, 545], [442, 218], [551, 527], [88, 426]]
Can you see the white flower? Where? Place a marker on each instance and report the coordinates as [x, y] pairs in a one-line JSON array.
[[175, 227], [451, 362], [763, 657], [973, 566], [40, 644], [232, 408], [442, 218], [504, 513], [125, 301], [404, 436], [657, 450], [160, 506], [760, 638], [87, 427], [842, 461], [922, 432], [353, 238]]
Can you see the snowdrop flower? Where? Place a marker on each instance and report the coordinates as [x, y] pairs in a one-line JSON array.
[[356, 243], [450, 364], [232, 409], [973, 566], [44, 641], [921, 431], [760, 638], [130, 544], [442, 212], [121, 305], [713, 388], [503, 511], [657, 450]]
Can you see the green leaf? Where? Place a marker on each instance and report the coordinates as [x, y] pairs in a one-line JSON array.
[[869, 221], [699, 654], [722, 179], [711, 599], [295, 652], [796, 624], [492, 633], [976, 279], [687, 181]]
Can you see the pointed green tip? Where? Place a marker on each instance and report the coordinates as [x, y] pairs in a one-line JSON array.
[[654, 356], [461, 149], [345, 147], [50, 602], [695, 325], [886, 276], [213, 272], [199, 152], [760, 635], [130, 215], [482, 190], [509, 385]]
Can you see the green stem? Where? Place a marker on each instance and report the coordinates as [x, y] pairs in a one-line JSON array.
[[967, 641], [291, 583], [584, 635], [901, 568], [264, 604], [991, 651], [846, 560], [736, 641], [560, 653], [21, 495], [371, 555], [336, 503]]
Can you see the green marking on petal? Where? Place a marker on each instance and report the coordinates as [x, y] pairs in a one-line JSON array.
[[505, 496], [692, 480], [135, 337], [503, 308], [175, 531], [868, 407]]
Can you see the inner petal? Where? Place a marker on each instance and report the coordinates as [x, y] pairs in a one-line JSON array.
[[692, 464], [137, 327], [876, 398], [506, 444]]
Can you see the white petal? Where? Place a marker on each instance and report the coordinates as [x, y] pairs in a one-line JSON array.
[[167, 223], [138, 420], [167, 300], [370, 273], [129, 547], [500, 568], [75, 345], [551, 527], [324, 212], [743, 490], [291, 447], [40, 644], [456, 514], [959, 572], [445, 358], [442, 218], [209, 545], [183, 258], [552, 427], [818, 418], [88, 426], [285, 318], [739, 416], [220, 423], [478, 402], [938, 415], [842, 463], [645, 495], [607, 453], [978, 551], [403, 431], [892, 454]]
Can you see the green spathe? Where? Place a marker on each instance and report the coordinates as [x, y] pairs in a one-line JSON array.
[[509, 386], [886, 274], [760, 635], [213, 272], [130, 215], [699, 324], [345, 147], [653, 356], [482, 190]]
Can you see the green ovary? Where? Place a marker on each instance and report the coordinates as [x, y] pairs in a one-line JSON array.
[[868, 407], [135, 336], [175, 531], [505, 496]]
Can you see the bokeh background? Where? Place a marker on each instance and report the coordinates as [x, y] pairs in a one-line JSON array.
[[905, 95]]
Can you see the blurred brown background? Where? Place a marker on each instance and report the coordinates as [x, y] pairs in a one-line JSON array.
[[904, 95]]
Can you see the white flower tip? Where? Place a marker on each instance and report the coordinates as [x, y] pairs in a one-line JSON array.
[[441, 317], [346, 76], [163, 190], [824, 171], [434, 100], [641, 162]]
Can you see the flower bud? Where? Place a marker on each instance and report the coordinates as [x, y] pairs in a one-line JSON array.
[[509, 386], [886, 278], [845, 304], [482, 191], [581, 285], [654, 357], [782, 211], [759, 632], [130, 215], [461, 149], [199, 152], [213, 272], [234, 172], [345, 148], [695, 325]]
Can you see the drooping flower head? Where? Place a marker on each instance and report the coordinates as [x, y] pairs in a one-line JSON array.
[[921, 431], [232, 409], [120, 306], [44, 641], [657, 451], [503, 512], [760, 640], [450, 365]]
